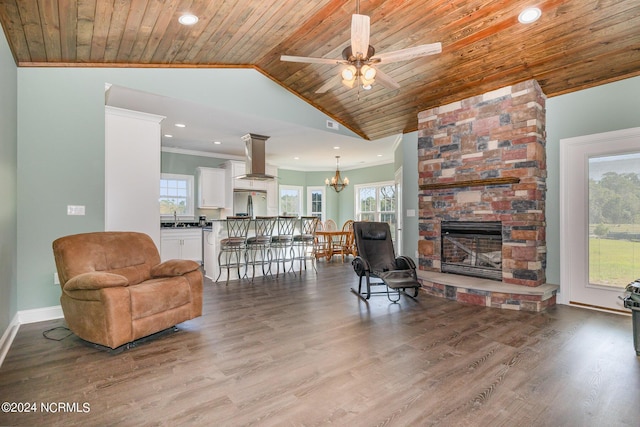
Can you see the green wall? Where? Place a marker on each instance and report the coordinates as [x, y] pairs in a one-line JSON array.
[[60, 140], [8, 180], [601, 109], [60, 154], [406, 155]]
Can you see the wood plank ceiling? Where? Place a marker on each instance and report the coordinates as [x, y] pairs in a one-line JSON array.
[[576, 44]]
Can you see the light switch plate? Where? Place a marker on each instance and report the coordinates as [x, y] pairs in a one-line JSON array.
[[411, 212], [75, 210]]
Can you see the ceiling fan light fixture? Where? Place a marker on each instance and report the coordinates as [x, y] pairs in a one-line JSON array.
[[349, 73], [349, 83], [368, 73], [365, 82], [359, 56]]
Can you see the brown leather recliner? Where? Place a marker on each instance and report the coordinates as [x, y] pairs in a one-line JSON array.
[[115, 290]]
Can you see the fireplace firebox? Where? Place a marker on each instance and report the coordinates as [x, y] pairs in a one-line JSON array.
[[472, 248]]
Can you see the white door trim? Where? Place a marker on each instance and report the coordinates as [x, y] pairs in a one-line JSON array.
[[574, 213]]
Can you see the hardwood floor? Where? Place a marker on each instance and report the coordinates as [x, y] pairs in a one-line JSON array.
[[303, 350]]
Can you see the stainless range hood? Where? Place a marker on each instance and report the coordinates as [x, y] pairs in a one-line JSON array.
[[255, 157]]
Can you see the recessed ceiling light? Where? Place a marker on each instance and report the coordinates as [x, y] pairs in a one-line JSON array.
[[529, 15], [336, 148], [217, 142], [188, 19], [180, 125], [166, 135], [296, 158], [379, 155]]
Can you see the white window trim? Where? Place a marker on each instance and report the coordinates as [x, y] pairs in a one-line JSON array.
[[190, 196], [356, 193], [323, 190], [291, 187]]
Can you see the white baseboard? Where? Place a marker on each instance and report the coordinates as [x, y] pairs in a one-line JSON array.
[[40, 314], [8, 336], [22, 318]]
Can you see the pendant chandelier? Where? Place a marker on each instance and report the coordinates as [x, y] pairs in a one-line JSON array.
[[336, 181]]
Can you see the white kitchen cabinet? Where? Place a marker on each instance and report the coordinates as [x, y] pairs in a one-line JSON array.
[[181, 243], [236, 168], [211, 188]]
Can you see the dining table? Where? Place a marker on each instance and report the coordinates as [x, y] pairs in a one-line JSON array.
[[327, 240]]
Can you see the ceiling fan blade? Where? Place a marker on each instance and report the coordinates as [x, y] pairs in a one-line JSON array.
[[311, 60], [408, 53], [333, 81], [385, 80], [360, 26]]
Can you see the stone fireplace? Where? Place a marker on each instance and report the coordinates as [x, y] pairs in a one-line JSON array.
[[482, 161]]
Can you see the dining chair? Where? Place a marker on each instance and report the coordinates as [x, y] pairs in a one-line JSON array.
[[330, 225], [345, 245]]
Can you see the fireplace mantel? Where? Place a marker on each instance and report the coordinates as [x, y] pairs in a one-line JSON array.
[[470, 183]]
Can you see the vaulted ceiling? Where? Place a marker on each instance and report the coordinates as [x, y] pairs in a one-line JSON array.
[[576, 44]]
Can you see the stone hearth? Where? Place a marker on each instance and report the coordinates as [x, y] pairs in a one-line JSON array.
[[483, 159], [489, 293]]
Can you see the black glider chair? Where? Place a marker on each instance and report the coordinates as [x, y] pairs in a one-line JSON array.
[[376, 259]]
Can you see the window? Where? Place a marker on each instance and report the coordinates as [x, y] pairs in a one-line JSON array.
[[290, 200], [315, 202], [176, 195], [377, 202], [614, 222]]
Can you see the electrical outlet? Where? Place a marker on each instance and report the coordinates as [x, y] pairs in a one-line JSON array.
[[56, 279], [75, 210]]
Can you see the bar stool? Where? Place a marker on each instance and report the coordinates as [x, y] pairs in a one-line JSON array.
[[304, 243], [232, 248], [282, 243], [258, 246]]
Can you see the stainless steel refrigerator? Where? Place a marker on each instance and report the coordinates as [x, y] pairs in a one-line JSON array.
[[249, 202]]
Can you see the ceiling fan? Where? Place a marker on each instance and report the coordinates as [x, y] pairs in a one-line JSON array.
[[359, 58]]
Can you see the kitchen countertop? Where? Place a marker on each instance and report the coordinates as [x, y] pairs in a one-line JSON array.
[[169, 225], [182, 225]]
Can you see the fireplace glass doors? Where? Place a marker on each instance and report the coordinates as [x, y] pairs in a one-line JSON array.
[[472, 248]]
